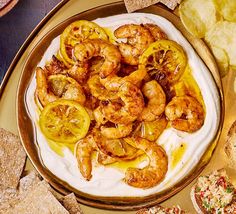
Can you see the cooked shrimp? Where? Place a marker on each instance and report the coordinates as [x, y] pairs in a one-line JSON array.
[[152, 174], [91, 101], [78, 72], [138, 39], [95, 64], [66, 88], [119, 131], [98, 90], [99, 117], [111, 147], [151, 130], [42, 91], [57, 86], [127, 69], [55, 66], [83, 152], [133, 104], [74, 92], [185, 113], [105, 159], [156, 101], [115, 148], [112, 82], [97, 47], [156, 31]]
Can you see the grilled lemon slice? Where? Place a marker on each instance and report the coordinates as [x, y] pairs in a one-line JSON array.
[[164, 59], [77, 32], [64, 121]]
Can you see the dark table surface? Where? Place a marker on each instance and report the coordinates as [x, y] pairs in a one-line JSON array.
[[16, 25]]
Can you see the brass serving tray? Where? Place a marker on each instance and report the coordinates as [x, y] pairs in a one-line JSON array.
[[27, 63], [26, 128]]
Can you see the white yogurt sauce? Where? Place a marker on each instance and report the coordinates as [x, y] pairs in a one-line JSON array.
[[107, 181]]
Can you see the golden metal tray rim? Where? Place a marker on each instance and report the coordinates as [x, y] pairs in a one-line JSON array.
[[3, 84]]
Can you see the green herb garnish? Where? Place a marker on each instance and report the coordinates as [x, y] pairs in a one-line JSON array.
[[229, 190], [206, 205], [197, 189]]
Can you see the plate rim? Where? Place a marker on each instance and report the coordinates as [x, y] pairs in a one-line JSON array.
[[123, 203]]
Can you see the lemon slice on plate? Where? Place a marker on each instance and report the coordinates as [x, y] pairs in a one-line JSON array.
[[77, 32], [64, 121], [164, 59]]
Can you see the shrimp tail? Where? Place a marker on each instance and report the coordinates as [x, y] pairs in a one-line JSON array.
[[154, 172]]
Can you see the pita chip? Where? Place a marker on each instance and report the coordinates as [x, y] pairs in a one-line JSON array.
[[12, 160], [38, 200], [10, 197], [29, 181], [172, 4], [132, 5], [71, 204]]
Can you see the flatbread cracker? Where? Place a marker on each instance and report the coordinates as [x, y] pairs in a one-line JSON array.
[[132, 5], [172, 4], [29, 181], [10, 197], [230, 145], [39, 200], [12, 160], [71, 204]]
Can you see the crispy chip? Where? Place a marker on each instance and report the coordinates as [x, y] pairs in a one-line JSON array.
[[227, 8], [222, 60], [39, 200], [222, 35], [132, 5], [198, 16], [206, 19], [12, 160], [71, 204]]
